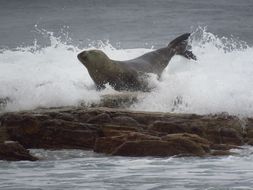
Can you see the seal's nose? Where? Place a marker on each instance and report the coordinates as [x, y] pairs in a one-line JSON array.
[[81, 56]]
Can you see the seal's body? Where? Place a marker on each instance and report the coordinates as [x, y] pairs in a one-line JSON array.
[[131, 74]]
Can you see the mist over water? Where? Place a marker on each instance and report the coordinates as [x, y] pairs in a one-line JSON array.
[[219, 81]]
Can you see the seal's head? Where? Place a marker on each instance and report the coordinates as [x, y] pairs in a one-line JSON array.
[[99, 66], [93, 59]]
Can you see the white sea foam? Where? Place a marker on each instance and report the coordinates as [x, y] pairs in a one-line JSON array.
[[219, 81], [50, 76]]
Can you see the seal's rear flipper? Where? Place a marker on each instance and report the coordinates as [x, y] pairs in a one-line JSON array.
[[188, 54], [180, 46]]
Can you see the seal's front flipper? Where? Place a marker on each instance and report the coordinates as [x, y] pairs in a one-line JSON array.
[[180, 46]]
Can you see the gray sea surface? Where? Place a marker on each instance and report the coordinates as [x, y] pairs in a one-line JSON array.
[[132, 23], [75, 169]]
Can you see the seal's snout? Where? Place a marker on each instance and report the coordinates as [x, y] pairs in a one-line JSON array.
[[81, 56]]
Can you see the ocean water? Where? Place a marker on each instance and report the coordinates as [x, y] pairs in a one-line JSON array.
[[83, 170], [39, 41]]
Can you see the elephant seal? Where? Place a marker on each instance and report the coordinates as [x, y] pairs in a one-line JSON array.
[[132, 74]]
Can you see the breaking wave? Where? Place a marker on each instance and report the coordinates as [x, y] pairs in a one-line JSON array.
[[219, 81]]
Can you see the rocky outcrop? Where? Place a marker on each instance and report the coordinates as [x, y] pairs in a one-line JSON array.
[[13, 151], [109, 144], [126, 133], [33, 132], [159, 148], [167, 147]]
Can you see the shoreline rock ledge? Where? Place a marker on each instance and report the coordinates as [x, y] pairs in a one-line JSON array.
[[121, 132]]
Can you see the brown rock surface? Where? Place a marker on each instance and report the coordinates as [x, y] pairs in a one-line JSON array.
[[13, 151], [125, 120], [100, 118], [126, 133], [221, 153], [110, 143], [50, 133], [167, 127], [159, 148], [203, 143]]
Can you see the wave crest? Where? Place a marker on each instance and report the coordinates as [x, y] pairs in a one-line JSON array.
[[219, 81]]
